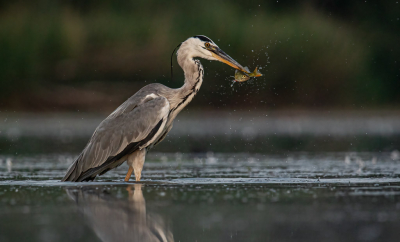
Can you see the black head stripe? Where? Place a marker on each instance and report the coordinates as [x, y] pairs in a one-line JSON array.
[[203, 38]]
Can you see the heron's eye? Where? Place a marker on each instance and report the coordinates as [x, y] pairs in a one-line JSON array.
[[244, 76], [207, 45]]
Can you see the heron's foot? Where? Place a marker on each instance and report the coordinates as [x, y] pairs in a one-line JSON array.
[[138, 174], [128, 175]]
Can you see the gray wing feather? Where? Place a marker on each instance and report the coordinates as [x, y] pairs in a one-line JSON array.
[[131, 122]]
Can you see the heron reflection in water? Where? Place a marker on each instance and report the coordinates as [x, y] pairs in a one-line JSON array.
[[115, 219]]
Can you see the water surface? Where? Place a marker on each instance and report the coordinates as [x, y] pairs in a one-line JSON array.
[[206, 197]]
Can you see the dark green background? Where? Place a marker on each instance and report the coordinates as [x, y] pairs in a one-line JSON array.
[[92, 55]]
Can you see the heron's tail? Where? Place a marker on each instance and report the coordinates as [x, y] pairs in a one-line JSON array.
[[72, 173]]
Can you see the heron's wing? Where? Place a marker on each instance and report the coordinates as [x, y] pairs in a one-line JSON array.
[[132, 126]]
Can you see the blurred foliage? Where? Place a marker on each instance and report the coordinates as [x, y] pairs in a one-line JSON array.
[[313, 54]]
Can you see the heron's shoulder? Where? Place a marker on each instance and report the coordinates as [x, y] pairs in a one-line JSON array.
[[155, 88], [147, 93]]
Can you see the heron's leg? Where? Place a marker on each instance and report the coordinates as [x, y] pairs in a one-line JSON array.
[[128, 175], [136, 162]]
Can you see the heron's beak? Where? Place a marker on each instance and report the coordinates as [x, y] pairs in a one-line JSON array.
[[223, 57]]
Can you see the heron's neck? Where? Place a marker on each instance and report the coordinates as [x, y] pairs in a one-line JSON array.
[[193, 76], [193, 79]]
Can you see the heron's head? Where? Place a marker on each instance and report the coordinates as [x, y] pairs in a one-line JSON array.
[[203, 47]]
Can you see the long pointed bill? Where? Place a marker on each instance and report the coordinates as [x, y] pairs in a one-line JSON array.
[[223, 57]]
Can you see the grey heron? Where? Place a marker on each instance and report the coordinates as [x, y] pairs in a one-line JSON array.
[[144, 120]]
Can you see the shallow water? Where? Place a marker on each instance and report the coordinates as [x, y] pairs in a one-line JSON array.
[[295, 196], [222, 176]]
